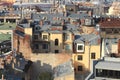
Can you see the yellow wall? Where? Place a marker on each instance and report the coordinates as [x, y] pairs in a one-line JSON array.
[[45, 33], [86, 57], [28, 31], [69, 42], [54, 36], [9, 0]]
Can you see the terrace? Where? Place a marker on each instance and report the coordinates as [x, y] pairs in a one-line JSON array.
[[7, 26], [4, 37]]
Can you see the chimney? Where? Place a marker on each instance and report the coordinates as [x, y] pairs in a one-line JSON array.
[[2, 77], [41, 22], [90, 13], [63, 22]]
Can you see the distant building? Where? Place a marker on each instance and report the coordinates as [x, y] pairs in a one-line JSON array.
[[106, 69], [110, 27], [114, 10], [53, 38], [86, 48]]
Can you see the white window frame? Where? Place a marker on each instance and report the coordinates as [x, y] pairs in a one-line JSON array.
[[80, 50]]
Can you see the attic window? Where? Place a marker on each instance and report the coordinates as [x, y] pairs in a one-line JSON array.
[[80, 48]]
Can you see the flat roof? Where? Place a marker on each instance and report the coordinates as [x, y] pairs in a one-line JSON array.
[[108, 65]]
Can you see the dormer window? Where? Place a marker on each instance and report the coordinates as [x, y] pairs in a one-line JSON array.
[[80, 48], [45, 37]]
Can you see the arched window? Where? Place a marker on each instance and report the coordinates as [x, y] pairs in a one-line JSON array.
[[56, 42]]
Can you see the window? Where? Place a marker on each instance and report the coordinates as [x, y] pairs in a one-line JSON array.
[[80, 47], [67, 47], [98, 72], [92, 55], [37, 28], [56, 51], [79, 57], [56, 42], [45, 46], [44, 37], [108, 31], [80, 68], [35, 36], [36, 46], [67, 36]]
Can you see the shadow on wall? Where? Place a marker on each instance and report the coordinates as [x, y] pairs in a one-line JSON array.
[[41, 71], [39, 47], [81, 72]]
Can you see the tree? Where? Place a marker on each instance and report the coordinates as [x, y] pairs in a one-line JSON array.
[[45, 76]]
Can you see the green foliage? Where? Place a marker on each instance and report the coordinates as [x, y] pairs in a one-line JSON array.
[[5, 37], [45, 76], [7, 26]]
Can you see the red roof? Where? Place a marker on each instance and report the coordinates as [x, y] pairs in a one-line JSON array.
[[110, 23]]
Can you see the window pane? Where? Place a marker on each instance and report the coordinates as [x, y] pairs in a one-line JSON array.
[[56, 42], [56, 51], [35, 36], [44, 37], [80, 47], [92, 55], [98, 72], [67, 47], [45, 46], [79, 57], [36, 46], [80, 68]]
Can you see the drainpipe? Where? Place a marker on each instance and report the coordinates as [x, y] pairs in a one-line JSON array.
[[89, 54]]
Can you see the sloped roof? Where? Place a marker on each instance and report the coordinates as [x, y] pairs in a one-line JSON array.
[[110, 23], [63, 69], [107, 65]]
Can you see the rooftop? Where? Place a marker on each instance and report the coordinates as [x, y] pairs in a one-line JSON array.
[[63, 69], [110, 23], [90, 38], [107, 65], [7, 26]]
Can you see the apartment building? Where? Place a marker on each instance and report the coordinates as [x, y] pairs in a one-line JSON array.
[[22, 39], [114, 9], [109, 28], [86, 48]]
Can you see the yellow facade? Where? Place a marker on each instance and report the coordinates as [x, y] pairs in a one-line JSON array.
[[86, 58], [68, 41], [9, 1], [53, 47], [28, 31]]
